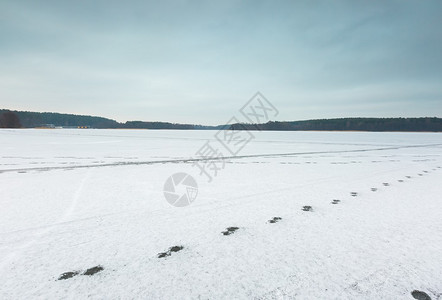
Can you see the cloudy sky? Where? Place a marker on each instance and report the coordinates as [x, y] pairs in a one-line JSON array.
[[200, 61]]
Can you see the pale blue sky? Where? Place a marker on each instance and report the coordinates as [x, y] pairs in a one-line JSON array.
[[199, 61]]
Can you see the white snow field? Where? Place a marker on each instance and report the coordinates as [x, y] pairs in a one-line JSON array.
[[72, 200]]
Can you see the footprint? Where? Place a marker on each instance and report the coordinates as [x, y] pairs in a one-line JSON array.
[[275, 219], [68, 275], [163, 254], [169, 252], [335, 201], [419, 174], [88, 272], [353, 194], [307, 208], [400, 180], [230, 230], [420, 295], [93, 270], [386, 184], [374, 189]]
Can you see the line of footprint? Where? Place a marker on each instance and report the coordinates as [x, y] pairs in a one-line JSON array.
[[231, 230]]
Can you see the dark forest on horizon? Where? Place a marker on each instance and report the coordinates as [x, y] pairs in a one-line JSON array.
[[26, 119]]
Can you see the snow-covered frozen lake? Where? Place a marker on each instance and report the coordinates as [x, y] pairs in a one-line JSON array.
[[75, 199]]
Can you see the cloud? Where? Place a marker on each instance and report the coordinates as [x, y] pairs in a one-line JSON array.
[[198, 61]]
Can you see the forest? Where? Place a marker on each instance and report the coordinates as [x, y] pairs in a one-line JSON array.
[[26, 119]]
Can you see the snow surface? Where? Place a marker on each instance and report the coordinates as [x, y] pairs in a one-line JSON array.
[[74, 199]]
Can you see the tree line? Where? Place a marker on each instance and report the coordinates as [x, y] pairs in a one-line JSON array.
[[26, 119], [351, 124]]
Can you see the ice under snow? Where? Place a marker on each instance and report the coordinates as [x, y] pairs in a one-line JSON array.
[[89, 205]]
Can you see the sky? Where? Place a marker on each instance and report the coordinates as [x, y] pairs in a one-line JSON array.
[[200, 61]]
